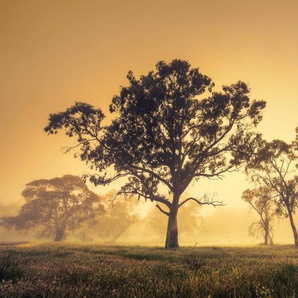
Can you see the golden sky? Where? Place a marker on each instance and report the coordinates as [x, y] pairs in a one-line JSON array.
[[55, 52]]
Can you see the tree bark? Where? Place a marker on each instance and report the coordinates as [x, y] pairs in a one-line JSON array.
[[59, 234], [172, 229]]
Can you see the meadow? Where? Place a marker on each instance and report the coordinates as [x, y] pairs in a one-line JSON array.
[[71, 270]]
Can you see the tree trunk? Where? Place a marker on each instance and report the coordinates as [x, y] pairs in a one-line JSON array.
[[266, 232], [266, 236], [59, 234], [172, 230], [295, 234]]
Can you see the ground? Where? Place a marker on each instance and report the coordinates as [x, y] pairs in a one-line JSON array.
[[71, 270]]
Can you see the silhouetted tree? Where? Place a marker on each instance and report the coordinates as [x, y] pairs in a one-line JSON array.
[[262, 201], [164, 135], [274, 166], [55, 206]]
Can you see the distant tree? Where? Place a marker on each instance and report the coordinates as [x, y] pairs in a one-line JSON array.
[[164, 135], [262, 201], [54, 207], [119, 216], [273, 166]]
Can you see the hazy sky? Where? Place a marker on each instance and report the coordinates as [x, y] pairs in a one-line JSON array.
[[53, 53]]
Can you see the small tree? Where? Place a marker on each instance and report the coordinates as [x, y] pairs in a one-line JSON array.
[[119, 216], [54, 207], [273, 166], [261, 200], [165, 135]]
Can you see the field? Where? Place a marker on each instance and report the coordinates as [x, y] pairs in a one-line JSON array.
[[61, 270]]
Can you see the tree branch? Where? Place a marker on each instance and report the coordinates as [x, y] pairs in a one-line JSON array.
[[203, 201], [161, 210]]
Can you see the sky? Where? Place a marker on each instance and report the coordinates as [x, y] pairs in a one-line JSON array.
[[53, 53]]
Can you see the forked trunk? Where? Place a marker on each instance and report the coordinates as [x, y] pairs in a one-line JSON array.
[[172, 230]]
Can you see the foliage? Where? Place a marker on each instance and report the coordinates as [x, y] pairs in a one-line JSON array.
[[273, 166], [261, 200], [96, 271], [54, 207], [169, 129]]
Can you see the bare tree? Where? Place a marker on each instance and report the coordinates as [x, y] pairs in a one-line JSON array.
[[273, 166], [262, 201]]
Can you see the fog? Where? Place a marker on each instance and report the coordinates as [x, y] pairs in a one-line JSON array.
[[224, 227], [53, 55], [198, 226]]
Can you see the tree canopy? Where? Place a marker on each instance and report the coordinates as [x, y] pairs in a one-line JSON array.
[[54, 207], [169, 128]]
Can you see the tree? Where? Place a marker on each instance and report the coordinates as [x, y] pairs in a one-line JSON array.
[[54, 207], [273, 167], [164, 135], [261, 200], [119, 216]]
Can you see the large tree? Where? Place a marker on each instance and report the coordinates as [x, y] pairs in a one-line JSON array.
[[262, 201], [273, 166], [168, 129], [54, 207]]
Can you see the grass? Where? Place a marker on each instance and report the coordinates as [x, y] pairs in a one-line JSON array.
[[60, 270]]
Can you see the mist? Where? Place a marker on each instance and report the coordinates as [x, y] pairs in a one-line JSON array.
[[224, 227], [198, 226]]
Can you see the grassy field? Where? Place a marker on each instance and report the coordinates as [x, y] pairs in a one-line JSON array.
[[51, 270]]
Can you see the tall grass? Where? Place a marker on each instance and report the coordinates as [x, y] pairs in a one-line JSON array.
[[9, 266], [96, 271]]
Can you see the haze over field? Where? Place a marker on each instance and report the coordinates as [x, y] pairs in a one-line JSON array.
[[53, 53]]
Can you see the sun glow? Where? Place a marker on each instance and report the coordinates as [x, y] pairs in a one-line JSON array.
[[53, 54]]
